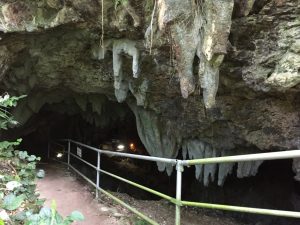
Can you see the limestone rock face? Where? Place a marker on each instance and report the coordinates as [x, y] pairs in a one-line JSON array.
[[208, 77]]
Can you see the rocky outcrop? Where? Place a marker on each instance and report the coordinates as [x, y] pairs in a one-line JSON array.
[[206, 77]]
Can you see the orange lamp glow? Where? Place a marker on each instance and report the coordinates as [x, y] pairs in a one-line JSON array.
[[132, 147]]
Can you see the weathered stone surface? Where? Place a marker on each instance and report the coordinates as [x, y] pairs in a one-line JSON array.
[[51, 51]]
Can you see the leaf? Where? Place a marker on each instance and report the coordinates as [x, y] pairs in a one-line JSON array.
[[23, 154], [58, 218], [45, 212], [31, 158], [12, 202], [10, 186], [76, 216], [20, 216], [7, 144], [2, 222], [40, 173]]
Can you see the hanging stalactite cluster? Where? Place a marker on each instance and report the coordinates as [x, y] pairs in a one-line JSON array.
[[198, 29]]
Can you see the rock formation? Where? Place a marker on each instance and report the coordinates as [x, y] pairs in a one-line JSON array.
[[206, 77]]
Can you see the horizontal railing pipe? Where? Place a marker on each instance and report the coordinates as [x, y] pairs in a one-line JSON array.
[[58, 144], [135, 211], [82, 160], [243, 158], [225, 159], [127, 155], [141, 215], [269, 212], [157, 193]]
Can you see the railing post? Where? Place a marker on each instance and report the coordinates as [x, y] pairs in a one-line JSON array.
[[179, 168], [98, 174], [69, 151]]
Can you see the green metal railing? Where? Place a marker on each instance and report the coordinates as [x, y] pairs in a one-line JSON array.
[[180, 164]]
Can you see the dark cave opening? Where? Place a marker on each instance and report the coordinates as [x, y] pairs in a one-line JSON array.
[[51, 124], [117, 122], [273, 187]]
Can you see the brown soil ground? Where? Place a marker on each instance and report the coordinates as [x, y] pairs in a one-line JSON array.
[[73, 193], [164, 212], [70, 194]]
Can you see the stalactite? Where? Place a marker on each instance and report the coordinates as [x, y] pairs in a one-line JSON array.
[[200, 30], [209, 169], [186, 42], [246, 169], [217, 15], [159, 138], [139, 91], [118, 47], [296, 168], [122, 11], [198, 152], [197, 149], [207, 173], [225, 169], [128, 47]]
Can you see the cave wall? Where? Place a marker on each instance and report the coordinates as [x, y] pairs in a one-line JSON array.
[[209, 77]]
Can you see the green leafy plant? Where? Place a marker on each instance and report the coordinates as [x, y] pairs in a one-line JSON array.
[[19, 203], [48, 216], [12, 202], [6, 118]]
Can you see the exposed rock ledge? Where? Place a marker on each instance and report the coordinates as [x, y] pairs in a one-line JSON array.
[[151, 55]]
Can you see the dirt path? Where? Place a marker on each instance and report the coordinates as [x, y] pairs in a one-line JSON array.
[[71, 195]]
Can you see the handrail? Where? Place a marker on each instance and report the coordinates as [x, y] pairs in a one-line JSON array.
[[270, 212], [180, 164], [157, 193], [244, 158], [146, 218], [126, 155]]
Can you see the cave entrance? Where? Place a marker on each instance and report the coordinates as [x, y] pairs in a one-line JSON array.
[[272, 187], [115, 124], [91, 126]]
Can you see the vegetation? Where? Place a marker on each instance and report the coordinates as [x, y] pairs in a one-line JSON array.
[[19, 204]]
